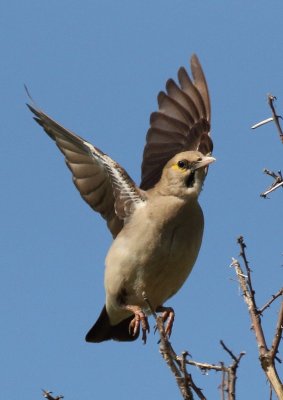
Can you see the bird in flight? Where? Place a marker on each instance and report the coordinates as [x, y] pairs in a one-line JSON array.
[[157, 227]]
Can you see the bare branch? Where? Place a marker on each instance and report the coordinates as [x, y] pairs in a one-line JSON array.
[[231, 371], [271, 173], [206, 366], [266, 356], [170, 356], [278, 333], [278, 182], [232, 355], [268, 304], [271, 189], [177, 364], [222, 386], [48, 395], [255, 317], [265, 121], [228, 383], [275, 117], [188, 377]]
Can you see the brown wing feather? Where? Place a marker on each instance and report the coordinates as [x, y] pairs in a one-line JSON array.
[[89, 173], [182, 123]]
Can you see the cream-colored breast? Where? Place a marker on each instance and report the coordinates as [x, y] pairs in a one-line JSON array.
[[154, 252]]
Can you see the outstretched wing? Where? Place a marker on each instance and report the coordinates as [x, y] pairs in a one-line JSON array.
[[182, 123], [102, 182]]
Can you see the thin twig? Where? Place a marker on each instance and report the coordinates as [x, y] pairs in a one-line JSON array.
[[278, 182], [278, 333], [169, 355], [266, 356], [223, 387], [275, 117], [196, 389], [48, 395], [268, 304], [271, 189], [228, 385], [206, 366], [177, 364], [231, 354], [232, 370], [265, 121], [271, 173], [255, 317], [184, 369], [188, 377]]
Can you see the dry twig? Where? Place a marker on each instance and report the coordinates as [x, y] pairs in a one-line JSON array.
[[278, 180], [273, 298], [48, 395], [230, 383], [275, 118], [177, 365], [267, 356]]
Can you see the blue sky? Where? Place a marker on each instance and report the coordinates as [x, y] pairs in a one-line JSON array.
[[97, 67]]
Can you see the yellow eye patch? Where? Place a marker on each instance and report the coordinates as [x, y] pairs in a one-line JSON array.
[[182, 166], [178, 168]]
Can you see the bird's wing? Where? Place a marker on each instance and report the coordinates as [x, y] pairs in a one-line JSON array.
[[102, 182], [182, 123]]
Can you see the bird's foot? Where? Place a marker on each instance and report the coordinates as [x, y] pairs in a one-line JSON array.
[[139, 319], [168, 315]]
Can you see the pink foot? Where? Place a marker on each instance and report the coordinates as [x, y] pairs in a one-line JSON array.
[[139, 319], [168, 315]]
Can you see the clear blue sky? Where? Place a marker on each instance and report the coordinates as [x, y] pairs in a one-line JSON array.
[[97, 67]]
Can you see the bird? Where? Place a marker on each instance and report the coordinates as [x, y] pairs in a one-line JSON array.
[[157, 227]]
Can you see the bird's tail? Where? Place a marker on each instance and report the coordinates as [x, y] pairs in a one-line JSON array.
[[102, 330]]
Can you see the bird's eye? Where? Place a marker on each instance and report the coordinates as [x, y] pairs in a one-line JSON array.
[[183, 164]]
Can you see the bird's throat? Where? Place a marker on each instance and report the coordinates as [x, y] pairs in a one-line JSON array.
[[190, 180]]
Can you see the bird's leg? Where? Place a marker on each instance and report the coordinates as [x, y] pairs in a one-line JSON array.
[[168, 315], [139, 319]]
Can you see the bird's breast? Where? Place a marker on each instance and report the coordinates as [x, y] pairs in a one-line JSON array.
[[154, 253]]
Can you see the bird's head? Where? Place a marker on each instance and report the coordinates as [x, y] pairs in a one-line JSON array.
[[184, 174]]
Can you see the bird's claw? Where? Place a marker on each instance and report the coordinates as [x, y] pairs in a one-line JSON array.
[[168, 315], [139, 319]]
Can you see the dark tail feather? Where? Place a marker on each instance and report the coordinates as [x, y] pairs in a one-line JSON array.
[[102, 330]]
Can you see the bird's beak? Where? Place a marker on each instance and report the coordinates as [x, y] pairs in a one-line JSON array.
[[205, 161]]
